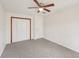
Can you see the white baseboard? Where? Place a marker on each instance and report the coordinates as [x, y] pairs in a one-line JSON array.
[[63, 45], [38, 38], [2, 50]]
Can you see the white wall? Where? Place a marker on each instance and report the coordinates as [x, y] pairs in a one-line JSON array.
[[2, 30], [37, 29], [39, 26], [63, 27]]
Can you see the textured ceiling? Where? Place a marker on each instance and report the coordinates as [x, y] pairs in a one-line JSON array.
[[20, 6]]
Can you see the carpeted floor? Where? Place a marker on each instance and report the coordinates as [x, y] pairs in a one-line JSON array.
[[40, 48]]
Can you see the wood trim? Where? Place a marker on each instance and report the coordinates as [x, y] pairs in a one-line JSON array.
[[11, 30], [30, 29], [20, 18]]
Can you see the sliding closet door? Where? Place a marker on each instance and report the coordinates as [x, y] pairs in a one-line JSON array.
[[20, 30]]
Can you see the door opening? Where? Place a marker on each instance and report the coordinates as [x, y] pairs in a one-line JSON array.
[[20, 18]]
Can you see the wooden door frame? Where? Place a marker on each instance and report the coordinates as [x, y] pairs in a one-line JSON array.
[[12, 17]]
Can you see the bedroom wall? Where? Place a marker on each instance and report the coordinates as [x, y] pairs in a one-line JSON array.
[[2, 29], [37, 29], [39, 26], [62, 27]]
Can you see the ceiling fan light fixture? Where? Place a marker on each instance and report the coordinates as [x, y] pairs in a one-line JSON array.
[[41, 9]]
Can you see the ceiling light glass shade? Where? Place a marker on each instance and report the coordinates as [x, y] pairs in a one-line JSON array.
[[41, 9]]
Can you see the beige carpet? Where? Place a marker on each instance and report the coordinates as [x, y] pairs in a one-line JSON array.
[[40, 48]]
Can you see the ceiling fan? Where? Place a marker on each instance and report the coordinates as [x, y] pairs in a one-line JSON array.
[[41, 7]]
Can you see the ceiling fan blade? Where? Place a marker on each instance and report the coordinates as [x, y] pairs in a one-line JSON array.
[[49, 5], [32, 7], [37, 3], [47, 10]]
